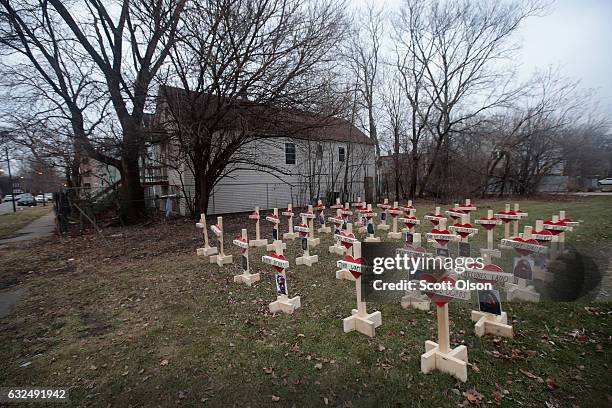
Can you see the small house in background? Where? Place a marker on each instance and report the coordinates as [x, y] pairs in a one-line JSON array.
[[306, 158]]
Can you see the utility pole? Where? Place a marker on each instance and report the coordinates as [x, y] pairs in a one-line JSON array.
[[8, 163]]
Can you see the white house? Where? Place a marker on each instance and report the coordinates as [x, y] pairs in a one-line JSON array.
[[331, 160]]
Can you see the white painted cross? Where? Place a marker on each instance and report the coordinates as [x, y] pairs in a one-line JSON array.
[[207, 250]]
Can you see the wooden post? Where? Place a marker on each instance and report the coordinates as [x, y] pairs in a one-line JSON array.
[[257, 242], [207, 250], [290, 235], [306, 258], [275, 220], [360, 320], [439, 356], [220, 259], [282, 303], [246, 276]]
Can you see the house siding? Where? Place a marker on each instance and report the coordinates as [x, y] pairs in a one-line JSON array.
[[246, 188]]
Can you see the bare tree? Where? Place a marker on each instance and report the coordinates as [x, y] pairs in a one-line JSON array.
[[364, 59], [247, 71], [50, 89], [459, 45], [128, 42]]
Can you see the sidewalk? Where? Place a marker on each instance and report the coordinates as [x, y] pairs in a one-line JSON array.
[[39, 228]]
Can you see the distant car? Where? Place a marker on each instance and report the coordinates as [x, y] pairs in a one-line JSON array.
[[605, 184], [48, 196], [8, 198], [26, 201], [40, 198]]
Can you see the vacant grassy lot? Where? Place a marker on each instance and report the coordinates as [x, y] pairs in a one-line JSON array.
[[134, 318], [11, 222]]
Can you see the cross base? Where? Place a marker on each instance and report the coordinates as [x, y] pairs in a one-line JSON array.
[[415, 301], [271, 247], [453, 362], [247, 278], [325, 230], [363, 323], [337, 249], [206, 251], [258, 243], [384, 227], [488, 323], [313, 242], [285, 305], [307, 260], [221, 259], [394, 235], [372, 239], [289, 236], [493, 253], [525, 293]]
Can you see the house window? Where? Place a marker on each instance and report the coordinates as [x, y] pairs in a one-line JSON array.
[[341, 154], [289, 153]]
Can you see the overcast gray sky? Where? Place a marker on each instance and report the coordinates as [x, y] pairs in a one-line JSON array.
[[577, 36], [574, 35]]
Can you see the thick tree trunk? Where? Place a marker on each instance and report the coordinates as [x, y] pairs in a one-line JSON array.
[[203, 190], [414, 173], [133, 207]]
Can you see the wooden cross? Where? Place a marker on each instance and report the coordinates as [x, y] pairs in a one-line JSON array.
[[439, 356], [207, 250], [338, 222], [323, 228], [275, 220], [347, 237], [290, 235], [489, 223], [220, 259], [520, 290], [395, 212], [282, 303], [310, 216], [413, 298], [360, 320], [257, 242], [306, 258], [383, 226], [369, 227], [246, 276]]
